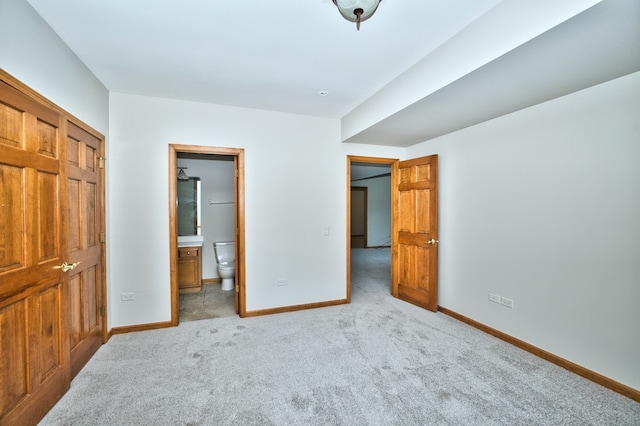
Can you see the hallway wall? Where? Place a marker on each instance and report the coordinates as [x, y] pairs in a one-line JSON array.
[[542, 206], [379, 209]]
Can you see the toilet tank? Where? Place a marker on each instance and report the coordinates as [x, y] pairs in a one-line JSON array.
[[225, 251]]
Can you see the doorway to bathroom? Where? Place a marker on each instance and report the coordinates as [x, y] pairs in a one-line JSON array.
[[206, 205]]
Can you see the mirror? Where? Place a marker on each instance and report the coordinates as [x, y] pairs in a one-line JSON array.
[[189, 212]]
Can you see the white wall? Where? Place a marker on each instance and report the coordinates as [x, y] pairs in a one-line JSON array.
[[31, 52], [294, 167], [501, 29], [217, 207], [543, 207]]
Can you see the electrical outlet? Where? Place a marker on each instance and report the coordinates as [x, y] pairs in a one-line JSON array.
[[127, 296], [494, 298], [506, 302], [282, 281]]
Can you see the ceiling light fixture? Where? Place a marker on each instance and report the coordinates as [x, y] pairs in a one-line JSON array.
[[181, 174], [357, 10]]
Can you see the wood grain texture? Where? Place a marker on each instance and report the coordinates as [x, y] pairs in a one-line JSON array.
[[35, 317], [189, 269], [414, 255]]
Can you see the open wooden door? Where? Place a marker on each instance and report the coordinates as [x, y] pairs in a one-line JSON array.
[[414, 256]]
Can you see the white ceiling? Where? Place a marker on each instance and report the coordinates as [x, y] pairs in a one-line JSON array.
[[278, 54]]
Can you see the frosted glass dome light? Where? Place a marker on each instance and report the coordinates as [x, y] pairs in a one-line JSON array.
[[357, 10]]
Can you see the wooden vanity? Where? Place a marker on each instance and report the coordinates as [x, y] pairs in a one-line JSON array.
[[189, 269]]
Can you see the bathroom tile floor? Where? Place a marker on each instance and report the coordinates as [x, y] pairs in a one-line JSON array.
[[210, 302]]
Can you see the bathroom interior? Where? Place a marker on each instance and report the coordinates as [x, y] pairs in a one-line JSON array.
[[206, 237]]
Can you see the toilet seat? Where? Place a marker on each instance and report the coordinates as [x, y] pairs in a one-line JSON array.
[[226, 266]]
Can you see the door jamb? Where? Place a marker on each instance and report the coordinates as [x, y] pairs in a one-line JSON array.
[[238, 153], [359, 159]]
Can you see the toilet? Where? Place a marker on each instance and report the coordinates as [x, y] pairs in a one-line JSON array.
[[225, 256]]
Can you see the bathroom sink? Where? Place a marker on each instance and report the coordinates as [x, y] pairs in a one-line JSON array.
[[190, 241]]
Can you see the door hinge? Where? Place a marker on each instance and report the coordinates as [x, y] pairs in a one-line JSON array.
[[237, 231], [102, 237], [103, 311], [237, 288], [236, 172], [101, 161]]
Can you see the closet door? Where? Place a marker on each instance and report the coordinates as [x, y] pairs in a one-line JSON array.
[[84, 185], [34, 371]]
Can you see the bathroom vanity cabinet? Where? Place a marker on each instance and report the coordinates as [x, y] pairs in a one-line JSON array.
[[189, 269]]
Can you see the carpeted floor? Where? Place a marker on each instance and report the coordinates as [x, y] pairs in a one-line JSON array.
[[377, 361]]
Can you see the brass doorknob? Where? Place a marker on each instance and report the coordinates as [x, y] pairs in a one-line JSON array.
[[432, 241], [67, 267]]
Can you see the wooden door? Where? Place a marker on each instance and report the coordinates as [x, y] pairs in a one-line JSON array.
[[358, 217], [34, 371], [415, 232], [84, 186]]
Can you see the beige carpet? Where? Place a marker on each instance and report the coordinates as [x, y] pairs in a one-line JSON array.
[[377, 361]]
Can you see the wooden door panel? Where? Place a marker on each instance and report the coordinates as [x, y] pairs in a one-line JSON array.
[[12, 224], [91, 214], [73, 152], [405, 265], [85, 316], [13, 343], [423, 172], [10, 126], [75, 310], [75, 225], [91, 297], [414, 281], [31, 334], [48, 230], [47, 139], [414, 254], [421, 268], [91, 156], [48, 321], [35, 353], [85, 250], [406, 222], [422, 207]]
